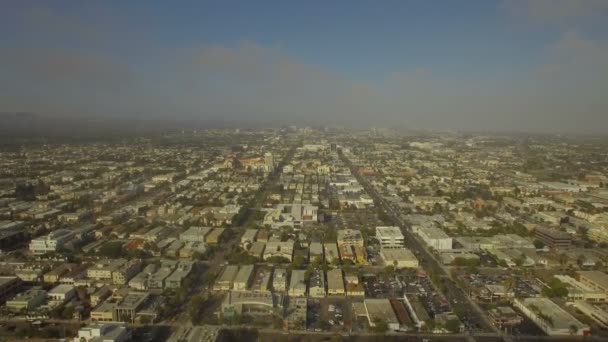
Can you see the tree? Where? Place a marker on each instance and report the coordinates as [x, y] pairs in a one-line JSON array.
[[380, 326], [539, 244], [453, 326]]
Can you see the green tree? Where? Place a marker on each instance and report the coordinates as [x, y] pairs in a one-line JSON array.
[[453, 326], [380, 326]]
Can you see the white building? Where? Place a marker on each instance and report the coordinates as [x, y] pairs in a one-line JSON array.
[[390, 237], [434, 237], [103, 333], [50, 242]]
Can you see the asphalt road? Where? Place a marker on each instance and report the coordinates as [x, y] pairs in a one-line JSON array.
[[473, 313]]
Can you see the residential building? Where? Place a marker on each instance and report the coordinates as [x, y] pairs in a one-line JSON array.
[[225, 281], [279, 280], [297, 284], [335, 282], [279, 249], [252, 303], [242, 278], [316, 283], [195, 234]]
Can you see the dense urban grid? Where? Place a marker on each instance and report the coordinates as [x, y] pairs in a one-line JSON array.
[[305, 234]]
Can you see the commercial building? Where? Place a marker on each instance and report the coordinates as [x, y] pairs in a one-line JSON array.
[[28, 300], [241, 281], [390, 237], [553, 238], [398, 257], [103, 333], [335, 283], [225, 280], [104, 312], [598, 313], [581, 291], [595, 279], [61, 293], [126, 309], [434, 237], [504, 317], [552, 319], [297, 284]]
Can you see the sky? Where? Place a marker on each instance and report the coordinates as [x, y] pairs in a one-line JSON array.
[[499, 65]]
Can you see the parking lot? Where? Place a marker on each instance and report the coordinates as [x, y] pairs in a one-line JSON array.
[[337, 311], [381, 286], [433, 300]]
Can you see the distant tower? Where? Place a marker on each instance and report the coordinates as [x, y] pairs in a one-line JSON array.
[[269, 161]]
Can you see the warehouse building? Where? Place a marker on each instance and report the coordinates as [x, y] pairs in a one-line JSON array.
[[552, 319]]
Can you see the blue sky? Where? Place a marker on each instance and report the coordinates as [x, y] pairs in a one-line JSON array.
[[479, 64]]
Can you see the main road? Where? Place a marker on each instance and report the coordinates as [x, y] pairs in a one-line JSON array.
[[473, 314]]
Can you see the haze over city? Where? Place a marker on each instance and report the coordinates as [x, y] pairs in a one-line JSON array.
[[532, 66], [304, 171]]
